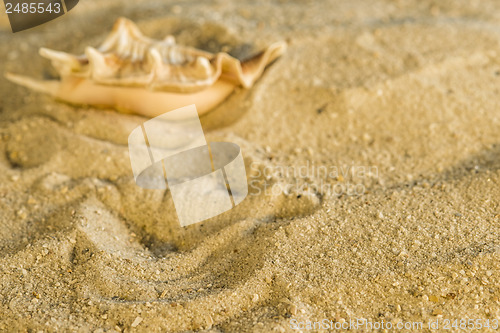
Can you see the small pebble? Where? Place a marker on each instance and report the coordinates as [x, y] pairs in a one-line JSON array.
[[209, 320], [437, 312], [433, 298], [136, 322]]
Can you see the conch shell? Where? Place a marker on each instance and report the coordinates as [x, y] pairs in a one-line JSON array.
[[136, 74]]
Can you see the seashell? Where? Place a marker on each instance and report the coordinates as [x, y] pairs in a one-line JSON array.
[[136, 74]]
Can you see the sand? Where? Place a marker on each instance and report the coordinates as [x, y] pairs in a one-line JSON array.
[[373, 157]]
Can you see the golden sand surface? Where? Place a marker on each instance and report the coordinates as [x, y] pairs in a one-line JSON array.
[[373, 159]]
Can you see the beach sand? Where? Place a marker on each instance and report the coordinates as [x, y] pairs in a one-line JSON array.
[[372, 150]]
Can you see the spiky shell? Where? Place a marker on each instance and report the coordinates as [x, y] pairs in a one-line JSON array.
[[128, 58], [136, 74]]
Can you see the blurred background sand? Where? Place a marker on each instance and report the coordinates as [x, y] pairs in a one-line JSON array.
[[404, 90]]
